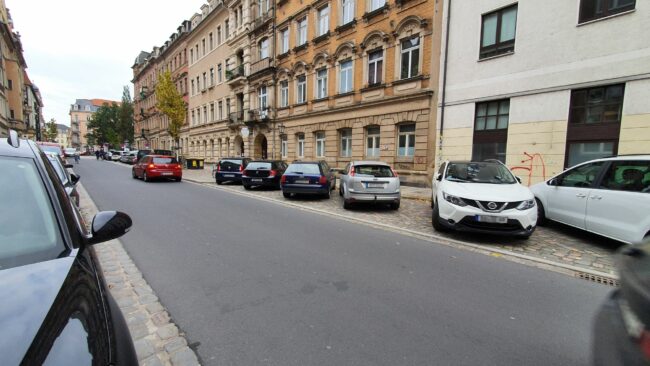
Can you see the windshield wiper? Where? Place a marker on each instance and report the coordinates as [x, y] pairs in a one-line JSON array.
[[454, 179]]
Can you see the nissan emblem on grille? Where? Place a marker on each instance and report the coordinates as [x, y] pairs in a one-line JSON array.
[[492, 206]]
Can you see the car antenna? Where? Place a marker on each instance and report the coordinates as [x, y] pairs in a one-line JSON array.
[[12, 139]]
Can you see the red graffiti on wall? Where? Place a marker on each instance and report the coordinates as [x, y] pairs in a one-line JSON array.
[[530, 159]]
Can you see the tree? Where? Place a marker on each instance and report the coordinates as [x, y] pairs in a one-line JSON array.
[[51, 131], [171, 103], [103, 126], [125, 117]]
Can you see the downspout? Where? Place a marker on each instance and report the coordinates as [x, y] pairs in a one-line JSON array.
[[275, 80], [444, 82]]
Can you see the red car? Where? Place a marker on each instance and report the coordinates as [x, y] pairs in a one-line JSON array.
[[157, 166]]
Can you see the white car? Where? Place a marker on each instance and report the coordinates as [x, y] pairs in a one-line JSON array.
[[609, 197], [483, 197]]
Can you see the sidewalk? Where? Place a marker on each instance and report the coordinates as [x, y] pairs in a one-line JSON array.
[[561, 247]]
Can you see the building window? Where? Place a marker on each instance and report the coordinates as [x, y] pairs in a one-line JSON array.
[[264, 48], [219, 40], [284, 93], [203, 47], [348, 11], [284, 146], [406, 140], [205, 80], [321, 83], [372, 141], [211, 41], [323, 20], [219, 73], [261, 98], [205, 113], [263, 6], [410, 57], [346, 142], [301, 95], [302, 31], [226, 28], [596, 9], [345, 77], [10, 84], [300, 151], [212, 76], [375, 63], [376, 4], [193, 118], [212, 112], [220, 110], [284, 38], [498, 32], [192, 55], [193, 90], [594, 123], [491, 130], [320, 144]]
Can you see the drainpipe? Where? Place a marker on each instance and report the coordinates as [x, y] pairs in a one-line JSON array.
[[444, 82], [275, 80]]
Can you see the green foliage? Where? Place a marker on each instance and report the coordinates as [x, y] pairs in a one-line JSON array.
[[170, 103], [50, 132], [112, 124]]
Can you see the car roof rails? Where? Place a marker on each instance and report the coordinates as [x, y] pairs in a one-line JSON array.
[[493, 161], [12, 139], [623, 155]]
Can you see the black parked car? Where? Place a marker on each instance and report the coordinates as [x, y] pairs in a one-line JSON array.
[[69, 180], [308, 177], [230, 169], [265, 173], [56, 308], [622, 327]]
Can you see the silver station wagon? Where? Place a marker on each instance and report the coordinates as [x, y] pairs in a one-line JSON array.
[[369, 181]]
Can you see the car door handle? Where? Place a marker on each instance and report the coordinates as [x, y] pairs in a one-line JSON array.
[[581, 195], [596, 197]]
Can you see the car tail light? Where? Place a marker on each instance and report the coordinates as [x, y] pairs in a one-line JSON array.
[[179, 166], [241, 168], [218, 167], [322, 180], [272, 173], [243, 174], [644, 343], [352, 171], [151, 166], [283, 179]]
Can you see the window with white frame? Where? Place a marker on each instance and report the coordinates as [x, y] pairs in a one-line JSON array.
[[284, 93], [284, 40], [193, 118], [193, 87], [375, 67], [212, 111], [205, 80], [300, 145], [284, 146], [263, 6], [376, 4], [320, 144], [406, 140], [321, 83], [205, 113], [410, 57], [219, 40], [323, 20], [302, 32], [372, 141], [346, 142], [264, 48], [301, 92], [212, 76], [345, 77], [220, 110], [261, 98], [219, 73], [347, 14], [211, 41]]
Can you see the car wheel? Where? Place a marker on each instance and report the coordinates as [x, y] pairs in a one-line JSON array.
[[179, 179], [541, 214], [432, 201], [133, 174], [219, 182], [247, 187], [347, 204], [435, 220], [341, 190], [395, 205], [145, 177], [328, 194], [286, 195]]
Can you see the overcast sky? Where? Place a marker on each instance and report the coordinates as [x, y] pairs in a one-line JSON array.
[[84, 49]]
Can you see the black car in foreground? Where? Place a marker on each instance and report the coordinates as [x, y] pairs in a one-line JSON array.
[[622, 326], [264, 173], [230, 169], [55, 307]]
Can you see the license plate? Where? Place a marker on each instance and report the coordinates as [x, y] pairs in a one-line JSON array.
[[166, 173], [256, 180], [229, 175], [302, 181], [492, 219], [375, 185]]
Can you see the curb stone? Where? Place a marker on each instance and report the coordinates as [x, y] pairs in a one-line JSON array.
[[150, 325]]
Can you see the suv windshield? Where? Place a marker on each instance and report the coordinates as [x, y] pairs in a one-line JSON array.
[[28, 227], [492, 173], [379, 171], [303, 169]]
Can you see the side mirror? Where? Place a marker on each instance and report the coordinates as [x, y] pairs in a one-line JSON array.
[[552, 182], [438, 177], [74, 178], [108, 225], [518, 179]]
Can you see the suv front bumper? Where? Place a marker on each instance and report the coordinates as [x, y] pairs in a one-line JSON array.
[[519, 223]]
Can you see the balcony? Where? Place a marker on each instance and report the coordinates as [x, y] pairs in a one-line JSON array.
[[262, 19], [235, 75], [236, 119], [259, 115], [261, 66]]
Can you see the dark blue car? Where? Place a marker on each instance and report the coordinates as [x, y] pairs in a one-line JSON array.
[[308, 177], [230, 169]]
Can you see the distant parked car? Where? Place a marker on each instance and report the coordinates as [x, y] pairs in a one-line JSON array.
[[308, 177], [157, 167], [70, 152], [369, 181], [621, 330], [230, 169], [115, 155], [483, 197], [265, 173], [51, 147], [69, 180], [130, 157], [609, 197]]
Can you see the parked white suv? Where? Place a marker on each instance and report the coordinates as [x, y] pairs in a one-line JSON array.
[[482, 197], [609, 197]]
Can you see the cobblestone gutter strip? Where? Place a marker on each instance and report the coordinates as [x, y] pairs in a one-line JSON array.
[[495, 252], [157, 340]]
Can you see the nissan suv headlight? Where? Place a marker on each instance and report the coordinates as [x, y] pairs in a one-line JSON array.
[[453, 200], [525, 205]]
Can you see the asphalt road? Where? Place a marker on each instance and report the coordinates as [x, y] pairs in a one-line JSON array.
[[258, 283]]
